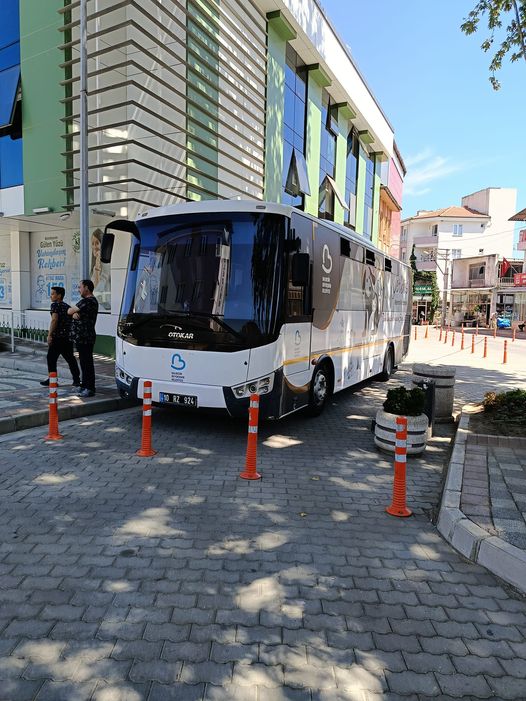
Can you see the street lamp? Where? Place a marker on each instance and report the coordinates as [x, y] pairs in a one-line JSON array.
[[83, 146]]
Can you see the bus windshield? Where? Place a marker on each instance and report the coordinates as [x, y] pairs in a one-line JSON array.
[[205, 279]]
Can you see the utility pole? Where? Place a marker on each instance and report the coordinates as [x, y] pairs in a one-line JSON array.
[[443, 254], [83, 134], [444, 296]]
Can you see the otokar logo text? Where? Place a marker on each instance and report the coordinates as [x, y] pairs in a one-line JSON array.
[[181, 335]]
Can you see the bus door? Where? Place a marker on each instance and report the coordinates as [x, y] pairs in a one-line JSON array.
[[298, 312], [325, 288]]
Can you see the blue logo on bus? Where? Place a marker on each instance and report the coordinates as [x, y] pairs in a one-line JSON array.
[[177, 362]]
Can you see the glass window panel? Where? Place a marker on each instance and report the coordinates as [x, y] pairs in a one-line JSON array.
[[288, 113], [299, 117], [10, 162], [288, 134]]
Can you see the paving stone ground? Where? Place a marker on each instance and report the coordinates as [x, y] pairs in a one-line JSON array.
[[171, 578]]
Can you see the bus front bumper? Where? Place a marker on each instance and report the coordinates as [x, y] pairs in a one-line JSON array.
[[207, 396]]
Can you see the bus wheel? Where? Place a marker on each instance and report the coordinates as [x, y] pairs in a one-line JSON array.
[[388, 365], [320, 390]]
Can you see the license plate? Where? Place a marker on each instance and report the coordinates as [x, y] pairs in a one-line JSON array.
[[178, 399]]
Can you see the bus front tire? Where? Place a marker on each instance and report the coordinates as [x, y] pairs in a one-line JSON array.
[[388, 368], [320, 389]]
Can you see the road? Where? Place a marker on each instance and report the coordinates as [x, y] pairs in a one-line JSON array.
[[171, 578]]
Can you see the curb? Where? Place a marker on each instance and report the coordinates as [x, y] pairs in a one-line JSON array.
[[499, 557], [11, 424], [26, 365], [38, 362]]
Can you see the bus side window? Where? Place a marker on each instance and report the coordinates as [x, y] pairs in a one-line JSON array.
[[295, 295]]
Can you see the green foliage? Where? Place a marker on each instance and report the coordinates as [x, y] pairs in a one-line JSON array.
[[405, 402], [506, 406], [512, 40]]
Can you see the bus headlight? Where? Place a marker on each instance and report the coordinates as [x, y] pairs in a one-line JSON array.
[[263, 385], [123, 376]]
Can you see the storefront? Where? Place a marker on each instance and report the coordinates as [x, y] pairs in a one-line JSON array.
[[471, 307], [511, 304], [421, 302]]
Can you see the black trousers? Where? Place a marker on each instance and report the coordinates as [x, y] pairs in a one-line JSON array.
[[86, 365], [63, 348]]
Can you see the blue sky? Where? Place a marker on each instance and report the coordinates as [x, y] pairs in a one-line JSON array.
[[456, 134]]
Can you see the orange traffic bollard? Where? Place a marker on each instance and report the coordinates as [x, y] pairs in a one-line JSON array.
[[453, 338], [440, 336], [445, 337], [416, 332], [427, 331], [485, 354], [462, 339], [477, 329], [505, 356], [146, 450], [513, 334], [473, 343], [398, 506], [250, 472], [495, 332], [53, 434]]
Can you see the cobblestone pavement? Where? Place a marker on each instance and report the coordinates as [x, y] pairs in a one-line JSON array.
[[171, 578]]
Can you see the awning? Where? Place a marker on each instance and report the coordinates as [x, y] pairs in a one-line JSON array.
[[9, 84], [337, 192], [297, 177]]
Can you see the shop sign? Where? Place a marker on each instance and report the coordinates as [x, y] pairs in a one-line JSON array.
[[423, 290], [519, 279], [521, 246], [5, 270]]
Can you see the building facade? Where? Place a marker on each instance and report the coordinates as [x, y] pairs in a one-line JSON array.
[[482, 286], [478, 227], [189, 100]]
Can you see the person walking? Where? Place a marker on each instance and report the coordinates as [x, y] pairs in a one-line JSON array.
[[83, 333], [58, 338]]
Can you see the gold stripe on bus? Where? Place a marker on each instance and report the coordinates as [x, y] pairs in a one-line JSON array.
[[336, 351]]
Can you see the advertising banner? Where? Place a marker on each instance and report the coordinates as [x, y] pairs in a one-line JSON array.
[[55, 261], [5, 270]]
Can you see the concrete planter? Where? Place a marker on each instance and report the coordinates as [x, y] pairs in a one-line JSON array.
[[444, 378], [385, 432]]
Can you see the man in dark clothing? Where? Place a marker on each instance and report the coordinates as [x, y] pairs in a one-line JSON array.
[[83, 333], [58, 339]]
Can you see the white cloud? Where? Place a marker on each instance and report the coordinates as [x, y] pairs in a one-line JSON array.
[[424, 167]]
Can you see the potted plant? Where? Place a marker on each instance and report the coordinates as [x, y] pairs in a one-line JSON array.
[[402, 402]]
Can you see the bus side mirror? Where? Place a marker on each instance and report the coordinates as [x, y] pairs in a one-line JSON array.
[[106, 247], [300, 269]]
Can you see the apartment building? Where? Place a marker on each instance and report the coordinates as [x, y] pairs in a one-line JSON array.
[[478, 227], [187, 100]]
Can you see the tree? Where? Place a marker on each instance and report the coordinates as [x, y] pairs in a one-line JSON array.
[[512, 12]]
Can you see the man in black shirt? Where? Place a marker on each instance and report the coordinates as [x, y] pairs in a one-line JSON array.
[[83, 333], [58, 339]]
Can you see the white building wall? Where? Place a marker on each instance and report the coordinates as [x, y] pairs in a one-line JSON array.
[[500, 204], [12, 201]]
